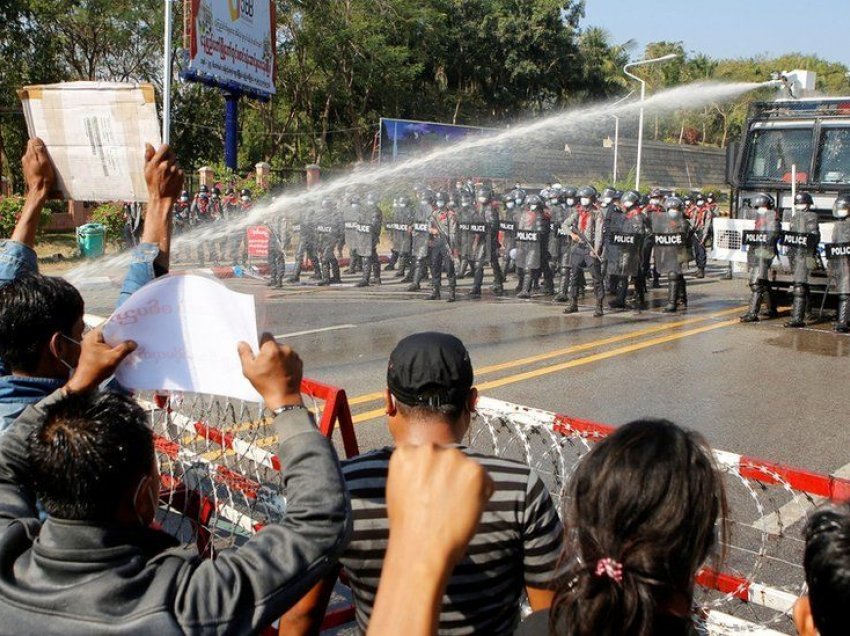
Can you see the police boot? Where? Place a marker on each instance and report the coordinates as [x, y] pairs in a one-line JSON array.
[[274, 281], [798, 308], [296, 274], [510, 267], [402, 267], [390, 266], [548, 283], [326, 275], [498, 278], [477, 281], [317, 271], [464, 267], [520, 274], [367, 269], [727, 275], [525, 291], [701, 272], [418, 270], [573, 306], [683, 291], [452, 291], [563, 285], [376, 270], [335, 272], [656, 279], [598, 313], [772, 307], [620, 291], [672, 293], [435, 290], [351, 262], [842, 319], [752, 314]]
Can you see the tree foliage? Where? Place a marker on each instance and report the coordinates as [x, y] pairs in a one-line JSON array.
[[343, 64]]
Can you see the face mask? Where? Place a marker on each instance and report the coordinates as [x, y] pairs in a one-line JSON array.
[[184, 199], [801, 207], [654, 201], [518, 201], [842, 213], [64, 363], [585, 201], [607, 201], [534, 207], [246, 199], [672, 213], [711, 200], [553, 202], [509, 204], [762, 211], [700, 202], [571, 201], [482, 199], [628, 204]]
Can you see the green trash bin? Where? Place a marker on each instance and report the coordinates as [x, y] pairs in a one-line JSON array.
[[90, 239]]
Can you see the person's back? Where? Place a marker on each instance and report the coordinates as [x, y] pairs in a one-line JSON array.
[[429, 400], [95, 566], [516, 545]]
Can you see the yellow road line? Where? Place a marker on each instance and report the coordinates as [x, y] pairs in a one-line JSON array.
[[378, 395], [596, 357]]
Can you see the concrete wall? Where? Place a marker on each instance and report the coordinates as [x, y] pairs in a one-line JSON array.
[[663, 165]]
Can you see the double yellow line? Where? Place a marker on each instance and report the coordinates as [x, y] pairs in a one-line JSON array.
[[522, 376]]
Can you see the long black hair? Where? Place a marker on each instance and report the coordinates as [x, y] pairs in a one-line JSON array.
[[647, 500]]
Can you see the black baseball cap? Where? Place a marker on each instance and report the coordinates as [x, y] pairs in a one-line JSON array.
[[430, 369]]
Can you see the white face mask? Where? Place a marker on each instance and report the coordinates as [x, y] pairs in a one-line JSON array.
[[654, 201], [482, 199], [672, 213], [762, 211], [842, 213], [534, 206], [553, 202], [518, 201], [571, 201], [801, 207], [246, 199], [607, 201], [699, 202], [585, 201], [509, 204], [628, 204]]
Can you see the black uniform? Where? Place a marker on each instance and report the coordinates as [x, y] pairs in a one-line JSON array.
[[484, 247], [443, 229], [329, 237], [672, 242], [306, 246], [801, 244], [838, 255], [761, 250], [369, 231], [421, 244]]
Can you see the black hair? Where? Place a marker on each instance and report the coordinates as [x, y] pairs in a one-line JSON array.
[[827, 565], [647, 497], [33, 308], [448, 411], [91, 450]]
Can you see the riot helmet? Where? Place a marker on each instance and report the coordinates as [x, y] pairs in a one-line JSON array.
[[608, 195], [587, 195], [841, 207], [184, 196], [803, 201], [674, 206], [569, 195], [371, 198], [483, 195], [630, 199], [534, 202], [519, 196], [763, 203]]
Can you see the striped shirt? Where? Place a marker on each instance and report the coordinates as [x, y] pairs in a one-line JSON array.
[[517, 544]]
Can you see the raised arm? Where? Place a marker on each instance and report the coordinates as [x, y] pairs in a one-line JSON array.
[[151, 258], [40, 178], [249, 587]]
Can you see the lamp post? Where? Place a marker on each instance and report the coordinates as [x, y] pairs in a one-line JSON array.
[[655, 60], [166, 76], [617, 134]]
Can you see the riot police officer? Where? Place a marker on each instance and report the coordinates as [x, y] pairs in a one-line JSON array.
[[564, 242], [329, 236], [672, 239], [585, 228], [801, 245], [514, 201], [702, 219], [465, 214], [181, 217], [623, 232], [404, 235], [443, 232], [484, 245], [529, 243], [422, 238], [351, 219], [654, 208], [306, 246], [838, 255], [761, 250], [201, 214], [369, 230]]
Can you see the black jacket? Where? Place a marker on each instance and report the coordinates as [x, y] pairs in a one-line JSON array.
[[69, 577]]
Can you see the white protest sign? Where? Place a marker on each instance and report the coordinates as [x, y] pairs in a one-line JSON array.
[[187, 328]]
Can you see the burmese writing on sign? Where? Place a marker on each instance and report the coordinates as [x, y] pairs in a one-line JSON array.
[[187, 329]]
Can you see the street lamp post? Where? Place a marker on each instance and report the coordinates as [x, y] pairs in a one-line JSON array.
[[166, 76], [617, 134], [665, 58]]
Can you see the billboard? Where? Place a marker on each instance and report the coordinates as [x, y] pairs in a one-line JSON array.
[[232, 45], [402, 139]]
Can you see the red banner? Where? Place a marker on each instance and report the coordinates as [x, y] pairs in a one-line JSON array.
[[258, 241]]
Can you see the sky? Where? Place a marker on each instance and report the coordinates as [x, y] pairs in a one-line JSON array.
[[730, 28]]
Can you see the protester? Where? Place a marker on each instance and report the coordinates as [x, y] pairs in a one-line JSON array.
[[96, 566], [435, 499], [430, 399], [42, 317], [640, 522], [827, 566]]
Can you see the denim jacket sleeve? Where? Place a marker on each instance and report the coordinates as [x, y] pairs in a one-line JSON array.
[[16, 259], [141, 270]]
